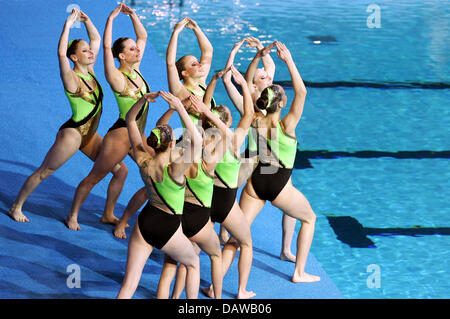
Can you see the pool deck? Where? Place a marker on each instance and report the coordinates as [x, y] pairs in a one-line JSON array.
[[34, 257]]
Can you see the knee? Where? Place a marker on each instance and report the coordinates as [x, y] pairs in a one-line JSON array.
[[309, 218], [45, 173], [246, 243], [120, 171], [216, 254], [216, 257], [193, 262], [93, 179]]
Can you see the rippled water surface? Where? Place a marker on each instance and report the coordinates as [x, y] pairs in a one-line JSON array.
[[374, 133]]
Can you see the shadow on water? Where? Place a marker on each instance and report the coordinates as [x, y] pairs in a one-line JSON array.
[[351, 232], [303, 157]]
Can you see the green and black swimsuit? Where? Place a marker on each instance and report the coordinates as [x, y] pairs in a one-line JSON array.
[[195, 217], [195, 117], [86, 108], [268, 180], [158, 226], [127, 98], [227, 171]]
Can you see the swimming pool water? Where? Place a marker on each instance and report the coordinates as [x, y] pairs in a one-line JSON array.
[[378, 156]]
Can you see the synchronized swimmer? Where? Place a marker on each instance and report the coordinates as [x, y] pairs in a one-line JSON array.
[[191, 183]]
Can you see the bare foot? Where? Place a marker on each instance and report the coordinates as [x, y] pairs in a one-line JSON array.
[[304, 278], [119, 231], [110, 220], [17, 215], [245, 294], [208, 292], [72, 223], [288, 257]]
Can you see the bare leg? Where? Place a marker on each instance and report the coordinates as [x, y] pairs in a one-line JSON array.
[[138, 252], [179, 248], [168, 272], [136, 202], [66, 144], [250, 207], [114, 149], [180, 280], [208, 241], [120, 173], [239, 228], [295, 204], [288, 225]]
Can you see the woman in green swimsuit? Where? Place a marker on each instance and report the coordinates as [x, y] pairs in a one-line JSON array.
[[128, 86], [271, 180], [85, 97], [224, 206], [159, 223], [257, 79], [187, 75]]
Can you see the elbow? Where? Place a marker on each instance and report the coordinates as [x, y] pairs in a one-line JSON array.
[[301, 91], [143, 36]]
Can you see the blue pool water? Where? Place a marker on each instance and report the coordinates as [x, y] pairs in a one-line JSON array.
[[374, 136]]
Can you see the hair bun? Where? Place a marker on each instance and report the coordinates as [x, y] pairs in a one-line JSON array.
[[262, 101]]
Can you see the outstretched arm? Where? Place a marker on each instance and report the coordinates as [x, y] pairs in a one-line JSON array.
[[181, 164], [207, 97], [175, 84], [267, 60], [205, 46], [165, 118], [225, 133], [139, 150], [139, 29], [112, 74], [232, 91], [247, 118], [251, 70], [291, 119], [65, 70], [93, 34]]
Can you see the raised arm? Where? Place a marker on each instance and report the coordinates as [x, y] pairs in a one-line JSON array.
[[291, 119], [205, 46], [139, 29], [182, 163], [175, 84], [232, 91], [207, 97], [65, 70], [251, 70], [165, 118], [247, 118], [213, 156], [112, 74], [267, 60], [139, 150], [93, 34]]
